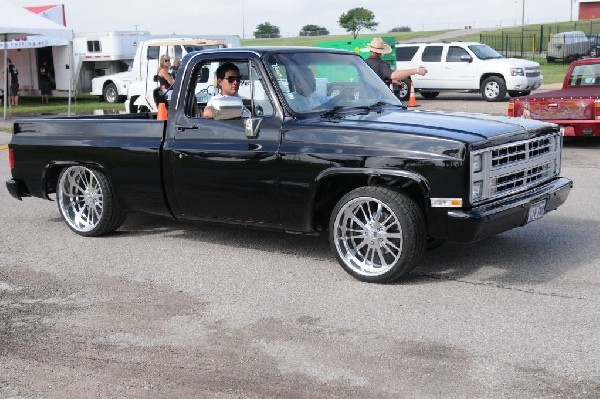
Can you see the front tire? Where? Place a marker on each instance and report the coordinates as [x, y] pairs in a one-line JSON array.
[[493, 89], [377, 234], [429, 94], [87, 203]]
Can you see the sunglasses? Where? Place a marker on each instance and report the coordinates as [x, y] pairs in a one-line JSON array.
[[232, 79], [166, 60]]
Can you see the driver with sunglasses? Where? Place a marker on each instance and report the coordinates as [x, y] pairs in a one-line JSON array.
[[228, 79]]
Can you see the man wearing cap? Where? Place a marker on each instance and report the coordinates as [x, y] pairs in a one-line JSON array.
[[378, 47]]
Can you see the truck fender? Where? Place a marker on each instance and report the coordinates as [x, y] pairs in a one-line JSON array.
[[53, 169], [369, 176]]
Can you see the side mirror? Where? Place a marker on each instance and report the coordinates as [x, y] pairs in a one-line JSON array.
[[466, 58], [252, 127], [227, 108]]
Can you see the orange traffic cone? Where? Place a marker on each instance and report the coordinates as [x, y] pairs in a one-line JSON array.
[[162, 112], [412, 100]]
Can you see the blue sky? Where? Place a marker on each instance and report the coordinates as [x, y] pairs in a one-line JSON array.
[[240, 17]]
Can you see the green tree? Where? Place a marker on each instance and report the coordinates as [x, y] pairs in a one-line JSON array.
[[357, 19], [266, 30], [313, 30], [401, 29]]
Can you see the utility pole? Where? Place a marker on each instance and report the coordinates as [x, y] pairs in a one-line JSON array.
[[523, 14]]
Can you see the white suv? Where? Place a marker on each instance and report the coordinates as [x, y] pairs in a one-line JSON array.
[[467, 67]]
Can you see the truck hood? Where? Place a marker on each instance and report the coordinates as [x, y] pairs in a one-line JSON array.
[[514, 62], [463, 127]]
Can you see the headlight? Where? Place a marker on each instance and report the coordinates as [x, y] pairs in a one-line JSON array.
[[477, 187], [476, 163], [517, 72]]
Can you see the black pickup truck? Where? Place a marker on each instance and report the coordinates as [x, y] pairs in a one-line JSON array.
[[381, 179]]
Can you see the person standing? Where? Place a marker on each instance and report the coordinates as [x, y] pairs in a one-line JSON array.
[[377, 47], [14, 83], [165, 79], [45, 82]]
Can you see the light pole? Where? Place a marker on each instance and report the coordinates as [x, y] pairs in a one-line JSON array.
[[243, 24], [523, 14]]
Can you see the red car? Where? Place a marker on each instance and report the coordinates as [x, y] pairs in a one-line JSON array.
[[575, 107]]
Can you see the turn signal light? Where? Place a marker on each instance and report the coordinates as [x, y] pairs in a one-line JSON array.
[[597, 109], [511, 109]]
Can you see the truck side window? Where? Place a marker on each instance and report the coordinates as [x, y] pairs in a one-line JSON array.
[[432, 54], [153, 52], [454, 54], [251, 90], [406, 53]]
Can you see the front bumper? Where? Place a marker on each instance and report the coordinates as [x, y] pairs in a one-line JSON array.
[[522, 83], [490, 219]]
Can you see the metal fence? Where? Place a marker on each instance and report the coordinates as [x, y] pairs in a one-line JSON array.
[[533, 44]]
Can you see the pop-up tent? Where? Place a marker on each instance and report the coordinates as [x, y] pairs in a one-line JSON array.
[[16, 22]]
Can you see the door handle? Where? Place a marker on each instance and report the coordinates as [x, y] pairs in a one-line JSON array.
[[181, 128], [254, 147]]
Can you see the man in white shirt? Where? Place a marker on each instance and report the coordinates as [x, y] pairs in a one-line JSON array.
[[228, 79]]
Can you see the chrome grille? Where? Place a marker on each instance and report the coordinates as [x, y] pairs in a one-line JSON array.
[[515, 167], [532, 72]]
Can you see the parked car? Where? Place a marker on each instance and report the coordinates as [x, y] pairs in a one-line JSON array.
[[575, 107], [567, 46], [467, 67]]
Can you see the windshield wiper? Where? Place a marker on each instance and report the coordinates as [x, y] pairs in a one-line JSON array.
[[331, 112]]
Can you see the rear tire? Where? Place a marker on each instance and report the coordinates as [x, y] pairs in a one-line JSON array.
[[110, 93], [404, 90], [377, 234], [87, 202]]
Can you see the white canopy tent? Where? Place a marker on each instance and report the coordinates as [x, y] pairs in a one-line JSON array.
[[16, 22]]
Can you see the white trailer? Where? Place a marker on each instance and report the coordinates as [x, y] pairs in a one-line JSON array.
[[103, 53]]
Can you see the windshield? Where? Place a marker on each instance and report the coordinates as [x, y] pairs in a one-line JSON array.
[[319, 81], [484, 52]]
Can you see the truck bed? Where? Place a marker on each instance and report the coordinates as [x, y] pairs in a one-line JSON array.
[[134, 137]]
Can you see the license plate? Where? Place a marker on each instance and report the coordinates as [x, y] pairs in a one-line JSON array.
[[536, 211]]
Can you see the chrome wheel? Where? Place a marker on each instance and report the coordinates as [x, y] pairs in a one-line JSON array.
[[80, 198], [368, 236], [86, 202], [378, 234]]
